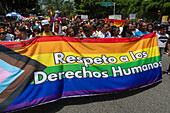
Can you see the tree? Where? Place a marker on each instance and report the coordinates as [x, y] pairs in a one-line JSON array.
[[24, 7]]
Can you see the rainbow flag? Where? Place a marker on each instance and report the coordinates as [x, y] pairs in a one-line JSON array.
[[55, 15], [73, 19], [73, 67], [117, 23], [51, 16]]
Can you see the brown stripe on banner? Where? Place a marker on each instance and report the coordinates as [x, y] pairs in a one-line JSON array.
[[28, 69]]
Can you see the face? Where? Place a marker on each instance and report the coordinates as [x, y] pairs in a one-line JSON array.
[[116, 32], [36, 32], [32, 23], [105, 28], [150, 28], [9, 30], [56, 25], [80, 29], [138, 26], [2, 36], [46, 27], [71, 32], [144, 27], [17, 33], [89, 33], [163, 31], [131, 27], [2, 26]]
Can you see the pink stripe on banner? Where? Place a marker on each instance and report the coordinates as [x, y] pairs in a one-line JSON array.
[[4, 74]]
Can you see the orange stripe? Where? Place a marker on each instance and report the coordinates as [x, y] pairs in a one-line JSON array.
[[86, 48]]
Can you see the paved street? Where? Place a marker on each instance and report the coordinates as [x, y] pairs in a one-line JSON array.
[[152, 99]]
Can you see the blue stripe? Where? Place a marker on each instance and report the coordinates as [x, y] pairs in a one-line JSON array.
[[51, 88], [15, 73]]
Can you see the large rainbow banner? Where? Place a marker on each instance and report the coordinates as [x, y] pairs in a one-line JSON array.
[[48, 68]]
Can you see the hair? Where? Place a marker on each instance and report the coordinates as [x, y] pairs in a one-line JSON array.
[[68, 30], [22, 29], [36, 29], [161, 26], [141, 24], [102, 25], [75, 28], [86, 29], [113, 29], [151, 25]]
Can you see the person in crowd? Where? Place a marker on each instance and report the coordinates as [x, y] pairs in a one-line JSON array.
[[64, 30], [168, 26], [115, 32], [127, 29], [137, 26], [2, 25], [104, 32], [96, 32], [21, 34], [46, 29], [57, 27], [87, 32], [80, 32], [3, 35], [36, 31], [32, 24], [10, 34], [168, 51], [150, 28], [70, 32], [142, 31], [163, 39]]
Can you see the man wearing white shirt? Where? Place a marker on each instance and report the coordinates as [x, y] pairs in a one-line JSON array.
[[163, 39], [104, 32]]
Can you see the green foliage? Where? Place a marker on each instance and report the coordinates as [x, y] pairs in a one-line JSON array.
[[23, 7], [142, 8]]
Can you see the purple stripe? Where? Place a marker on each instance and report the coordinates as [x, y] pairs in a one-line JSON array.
[[75, 93]]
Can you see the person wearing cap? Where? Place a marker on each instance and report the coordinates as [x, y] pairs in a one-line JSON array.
[[46, 29], [64, 30], [3, 35]]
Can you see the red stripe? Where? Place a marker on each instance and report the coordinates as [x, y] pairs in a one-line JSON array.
[[115, 20], [71, 39]]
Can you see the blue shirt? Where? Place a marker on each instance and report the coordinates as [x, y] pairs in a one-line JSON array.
[[86, 37], [139, 33], [5, 40], [22, 40]]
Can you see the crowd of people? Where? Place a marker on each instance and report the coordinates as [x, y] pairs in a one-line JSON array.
[[19, 30]]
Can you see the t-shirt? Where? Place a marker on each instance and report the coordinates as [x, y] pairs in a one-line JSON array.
[[86, 37], [102, 35], [5, 40], [22, 40], [48, 34], [9, 36], [162, 40], [139, 33]]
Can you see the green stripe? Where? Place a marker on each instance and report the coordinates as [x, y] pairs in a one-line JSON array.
[[99, 68]]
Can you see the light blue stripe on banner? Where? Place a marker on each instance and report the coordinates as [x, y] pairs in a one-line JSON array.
[[12, 69]]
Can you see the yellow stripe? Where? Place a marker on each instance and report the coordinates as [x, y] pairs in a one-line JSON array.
[[48, 59]]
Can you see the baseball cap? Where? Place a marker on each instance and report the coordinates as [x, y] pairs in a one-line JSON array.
[[45, 22]]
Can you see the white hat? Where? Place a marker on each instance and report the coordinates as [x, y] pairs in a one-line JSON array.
[[64, 28], [45, 22]]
